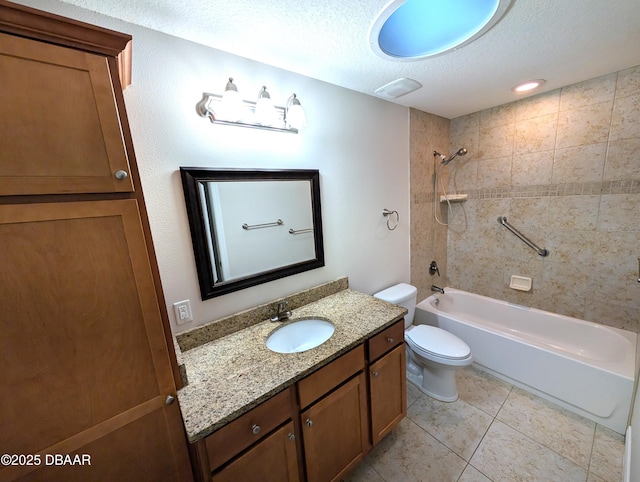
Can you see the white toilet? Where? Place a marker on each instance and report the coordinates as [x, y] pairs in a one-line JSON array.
[[433, 354]]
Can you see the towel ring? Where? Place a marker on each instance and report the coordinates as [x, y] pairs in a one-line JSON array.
[[387, 214]]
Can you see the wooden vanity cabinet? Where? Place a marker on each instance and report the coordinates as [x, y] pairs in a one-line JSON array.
[[274, 459], [335, 427], [84, 330], [259, 446], [331, 418], [387, 380], [245, 431]]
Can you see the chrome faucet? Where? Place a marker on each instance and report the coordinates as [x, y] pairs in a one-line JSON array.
[[281, 314], [437, 289]]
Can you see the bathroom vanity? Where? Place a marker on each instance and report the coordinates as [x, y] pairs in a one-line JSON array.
[[252, 414]]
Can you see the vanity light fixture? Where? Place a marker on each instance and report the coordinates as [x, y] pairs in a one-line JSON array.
[[230, 109], [528, 86]]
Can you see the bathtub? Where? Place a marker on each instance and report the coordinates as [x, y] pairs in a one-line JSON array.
[[582, 366]]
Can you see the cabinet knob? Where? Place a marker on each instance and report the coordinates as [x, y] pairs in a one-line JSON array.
[[390, 340], [291, 436], [375, 374], [309, 422], [120, 175], [169, 400], [255, 429]]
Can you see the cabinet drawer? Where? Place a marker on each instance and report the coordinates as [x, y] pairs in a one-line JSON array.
[[386, 340], [248, 429], [327, 378]]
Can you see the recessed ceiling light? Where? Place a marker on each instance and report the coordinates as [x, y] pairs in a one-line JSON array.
[[528, 85], [416, 29]]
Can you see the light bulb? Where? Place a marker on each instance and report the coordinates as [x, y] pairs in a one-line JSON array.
[[296, 117], [265, 110]]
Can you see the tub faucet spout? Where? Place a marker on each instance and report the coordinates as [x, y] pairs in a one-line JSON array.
[[437, 289]]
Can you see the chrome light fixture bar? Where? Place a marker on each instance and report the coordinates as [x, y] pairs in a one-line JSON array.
[[230, 109]]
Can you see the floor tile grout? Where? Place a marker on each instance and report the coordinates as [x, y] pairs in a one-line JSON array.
[[467, 422]]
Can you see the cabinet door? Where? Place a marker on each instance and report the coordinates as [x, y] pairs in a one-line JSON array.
[[83, 352], [388, 387], [272, 460], [335, 431], [59, 126]]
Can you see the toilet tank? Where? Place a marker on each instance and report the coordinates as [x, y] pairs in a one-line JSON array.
[[402, 294]]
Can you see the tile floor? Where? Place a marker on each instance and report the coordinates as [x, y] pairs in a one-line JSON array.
[[494, 432]]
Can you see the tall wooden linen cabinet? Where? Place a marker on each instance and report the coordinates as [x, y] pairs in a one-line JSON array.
[[87, 366]]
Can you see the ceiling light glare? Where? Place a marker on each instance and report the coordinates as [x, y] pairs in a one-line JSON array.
[[528, 85], [416, 29]]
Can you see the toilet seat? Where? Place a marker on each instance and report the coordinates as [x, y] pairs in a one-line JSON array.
[[432, 342]]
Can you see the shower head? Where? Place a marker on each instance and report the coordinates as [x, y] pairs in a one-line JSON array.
[[461, 152]]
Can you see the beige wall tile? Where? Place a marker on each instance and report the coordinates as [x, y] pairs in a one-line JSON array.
[[494, 172], [585, 163], [584, 125], [628, 82], [625, 121], [612, 313], [428, 240], [623, 159], [498, 116], [574, 212], [463, 175], [538, 105], [537, 134], [561, 196], [467, 123], [619, 212], [533, 168], [496, 141], [589, 92]]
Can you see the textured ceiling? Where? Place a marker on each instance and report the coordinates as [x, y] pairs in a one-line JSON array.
[[562, 41]]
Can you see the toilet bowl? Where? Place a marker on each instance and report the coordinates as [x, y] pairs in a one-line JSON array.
[[433, 354]]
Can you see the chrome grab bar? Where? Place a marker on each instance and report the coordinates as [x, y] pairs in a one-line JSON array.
[[541, 251], [300, 231], [246, 226]]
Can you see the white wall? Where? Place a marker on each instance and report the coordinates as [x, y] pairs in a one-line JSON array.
[[359, 144]]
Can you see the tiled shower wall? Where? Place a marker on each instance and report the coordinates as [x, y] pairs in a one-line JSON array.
[[428, 239], [564, 168]]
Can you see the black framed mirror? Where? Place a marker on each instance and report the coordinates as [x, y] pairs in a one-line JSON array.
[[252, 226]]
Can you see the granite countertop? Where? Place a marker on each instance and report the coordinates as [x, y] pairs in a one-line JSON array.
[[233, 374]]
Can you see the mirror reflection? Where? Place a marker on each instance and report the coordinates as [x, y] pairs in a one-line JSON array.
[[249, 227]]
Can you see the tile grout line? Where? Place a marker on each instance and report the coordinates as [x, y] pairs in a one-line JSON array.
[[494, 418]]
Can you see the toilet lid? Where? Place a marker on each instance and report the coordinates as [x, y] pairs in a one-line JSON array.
[[438, 342]]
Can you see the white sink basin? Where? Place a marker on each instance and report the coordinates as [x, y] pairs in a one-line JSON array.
[[300, 336]]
